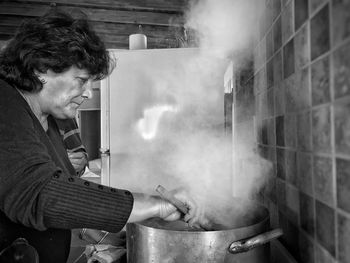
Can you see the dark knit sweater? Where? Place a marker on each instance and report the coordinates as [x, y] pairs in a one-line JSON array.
[[39, 193]]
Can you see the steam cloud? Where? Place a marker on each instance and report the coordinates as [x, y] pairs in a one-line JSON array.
[[190, 148]]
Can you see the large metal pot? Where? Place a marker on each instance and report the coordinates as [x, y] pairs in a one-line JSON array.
[[244, 239]]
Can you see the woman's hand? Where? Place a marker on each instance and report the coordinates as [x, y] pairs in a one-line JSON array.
[[78, 160], [169, 212], [147, 206]]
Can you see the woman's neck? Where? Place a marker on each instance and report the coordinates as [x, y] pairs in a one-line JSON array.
[[32, 100]]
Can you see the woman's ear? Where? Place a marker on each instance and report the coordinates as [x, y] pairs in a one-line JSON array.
[[41, 76]]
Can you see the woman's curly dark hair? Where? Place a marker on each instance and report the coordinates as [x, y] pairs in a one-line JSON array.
[[55, 41]]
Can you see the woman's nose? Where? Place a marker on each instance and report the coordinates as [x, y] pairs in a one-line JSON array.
[[87, 94]]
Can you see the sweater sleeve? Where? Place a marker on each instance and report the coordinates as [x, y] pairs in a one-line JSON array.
[[36, 193]]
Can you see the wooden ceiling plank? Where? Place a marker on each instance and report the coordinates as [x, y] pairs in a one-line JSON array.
[[8, 30], [150, 5], [112, 28], [127, 29], [126, 16], [11, 20], [12, 8]]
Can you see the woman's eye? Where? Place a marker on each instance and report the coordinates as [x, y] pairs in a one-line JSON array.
[[82, 81]]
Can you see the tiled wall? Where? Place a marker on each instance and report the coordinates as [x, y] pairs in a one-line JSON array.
[[297, 95]]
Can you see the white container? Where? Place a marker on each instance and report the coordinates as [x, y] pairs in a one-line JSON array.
[[137, 41]]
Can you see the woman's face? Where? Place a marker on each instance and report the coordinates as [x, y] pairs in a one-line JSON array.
[[63, 93]]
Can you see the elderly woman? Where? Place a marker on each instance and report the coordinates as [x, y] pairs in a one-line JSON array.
[[46, 72]]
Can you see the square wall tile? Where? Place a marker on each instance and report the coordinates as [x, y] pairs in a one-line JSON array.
[[277, 35], [301, 12], [304, 162], [290, 124], [269, 73], [302, 47], [276, 5], [280, 130], [250, 98], [284, 2], [279, 99], [270, 189], [264, 133], [281, 163], [269, 45], [287, 22], [320, 36], [263, 105], [258, 107], [292, 204], [343, 183], [256, 35], [256, 86], [273, 214], [298, 91], [304, 131], [307, 214], [302, 84], [342, 127], [314, 4], [321, 129], [320, 81], [341, 66], [288, 59], [257, 60], [261, 80], [291, 94], [343, 238], [325, 227], [270, 103], [306, 248], [341, 20], [258, 132], [281, 193], [262, 26], [290, 238], [271, 132], [291, 167], [271, 157], [323, 256], [277, 68], [323, 179], [269, 14], [262, 150], [262, 53]]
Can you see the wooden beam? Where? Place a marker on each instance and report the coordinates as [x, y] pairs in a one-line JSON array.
[[8, 31], [112, 28], [94, 14], [4, 37], [127, 29], [170, 6], [11, 20], [111, 31]]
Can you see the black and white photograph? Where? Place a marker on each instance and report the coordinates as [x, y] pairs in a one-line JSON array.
[[174, 131]]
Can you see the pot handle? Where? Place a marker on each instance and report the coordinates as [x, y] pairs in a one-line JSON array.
[[245, 245]]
